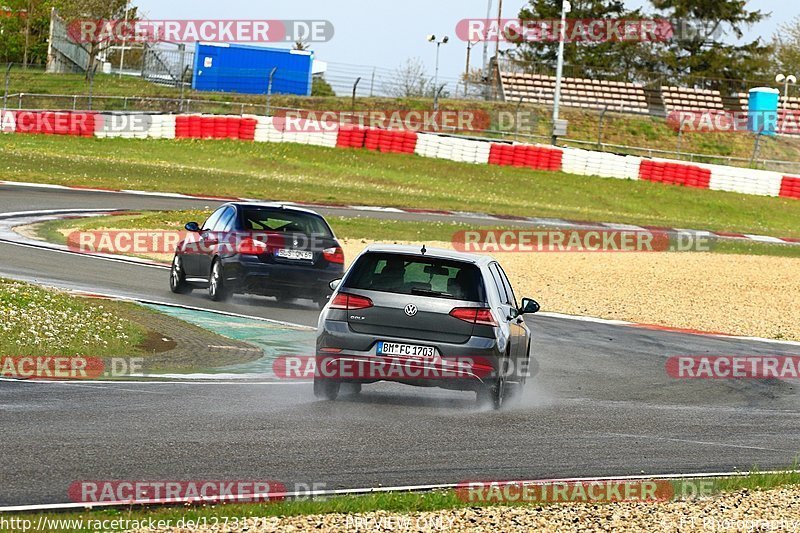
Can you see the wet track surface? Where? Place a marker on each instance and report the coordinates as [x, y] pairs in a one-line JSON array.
[[601, 403]]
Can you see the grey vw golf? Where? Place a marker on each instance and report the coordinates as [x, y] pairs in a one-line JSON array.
[[425, 317]]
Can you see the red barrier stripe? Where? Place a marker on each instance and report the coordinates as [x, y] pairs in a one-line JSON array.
[[790, 187], [674, 174]]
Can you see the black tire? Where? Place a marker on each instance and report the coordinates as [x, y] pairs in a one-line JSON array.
[[326, 389], [177, 277], [493, 395], [217, 290]]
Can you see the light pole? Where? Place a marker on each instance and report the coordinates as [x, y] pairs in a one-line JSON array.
[[566, 7], [786, 80], [431, 39]]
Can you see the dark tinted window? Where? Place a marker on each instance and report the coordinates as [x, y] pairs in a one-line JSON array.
[[409, 274], [281, 220]]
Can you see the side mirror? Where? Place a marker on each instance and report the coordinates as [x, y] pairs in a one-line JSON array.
[[194, 227], [529, 306], [335, 283]]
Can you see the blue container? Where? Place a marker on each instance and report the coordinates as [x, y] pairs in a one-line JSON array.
[[245, 69], [762, 110]]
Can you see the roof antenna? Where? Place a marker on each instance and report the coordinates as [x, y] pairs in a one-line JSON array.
[[423, 250]]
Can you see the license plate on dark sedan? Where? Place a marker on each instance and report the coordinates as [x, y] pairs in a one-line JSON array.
[[409, 350], [295, 254]]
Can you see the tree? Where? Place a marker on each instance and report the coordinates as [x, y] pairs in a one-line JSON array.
[[786, 45], [95, 10], [588, 58], [320, 87], [410, 80], [24, 25], [701, 52]]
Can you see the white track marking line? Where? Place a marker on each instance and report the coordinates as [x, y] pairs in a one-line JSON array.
[[372, 490], [705, 443]]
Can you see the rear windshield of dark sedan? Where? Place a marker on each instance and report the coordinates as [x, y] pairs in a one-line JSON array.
[[283, 221], [424, 276]]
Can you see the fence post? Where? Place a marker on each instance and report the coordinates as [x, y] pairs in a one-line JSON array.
[[516, 120], [92, 72], [74, 102], [269, 87], [680, 138], [183, 77], [5, 92], [19, 103], [756, 148], [600, 128], [353, 102]]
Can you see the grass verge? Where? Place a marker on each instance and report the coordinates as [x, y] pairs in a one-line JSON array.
[[40, 322], [401, 502], [366, 228], [327, 175]]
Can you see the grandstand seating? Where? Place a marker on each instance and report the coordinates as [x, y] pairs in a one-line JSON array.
[[690, 99], [575, 92]]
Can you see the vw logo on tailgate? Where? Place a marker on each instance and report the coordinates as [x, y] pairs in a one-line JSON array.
[[411, 309]]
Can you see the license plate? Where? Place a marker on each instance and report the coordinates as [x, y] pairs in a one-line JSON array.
[[294, 254], [409, 350]]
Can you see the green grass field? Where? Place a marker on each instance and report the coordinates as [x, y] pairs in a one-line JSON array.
[[329, 175]]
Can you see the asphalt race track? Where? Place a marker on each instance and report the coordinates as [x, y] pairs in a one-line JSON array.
[[600, 404]]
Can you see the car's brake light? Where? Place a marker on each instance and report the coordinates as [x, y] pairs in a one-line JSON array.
[[474, 315], [347, 301], [250, 246], [334, 255]]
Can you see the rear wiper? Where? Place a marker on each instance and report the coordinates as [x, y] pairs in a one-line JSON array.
[[426, 292]]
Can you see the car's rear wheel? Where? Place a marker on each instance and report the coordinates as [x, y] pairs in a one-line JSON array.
[[326, 389], [177, 277], [493, 395], [217, 289]]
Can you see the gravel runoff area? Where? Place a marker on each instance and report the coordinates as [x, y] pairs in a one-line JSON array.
[[769, 510], [734, 294]]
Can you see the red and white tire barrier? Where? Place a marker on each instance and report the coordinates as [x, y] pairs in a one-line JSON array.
[[478, 151]]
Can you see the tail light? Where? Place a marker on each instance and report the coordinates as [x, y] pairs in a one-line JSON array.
[[349, 302], [250, 246], [474, 315], [334, 255]]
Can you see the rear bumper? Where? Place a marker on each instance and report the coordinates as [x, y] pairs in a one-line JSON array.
[[272, 279], [347, 356]]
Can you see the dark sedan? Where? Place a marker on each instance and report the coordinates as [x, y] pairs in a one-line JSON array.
[[259, 248]]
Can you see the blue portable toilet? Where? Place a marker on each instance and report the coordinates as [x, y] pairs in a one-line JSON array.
[[762, 110], [246, 69]]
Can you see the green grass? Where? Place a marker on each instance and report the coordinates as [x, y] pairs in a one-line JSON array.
[[401, 502], [328, 175], [41, 322], [373, 229]]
